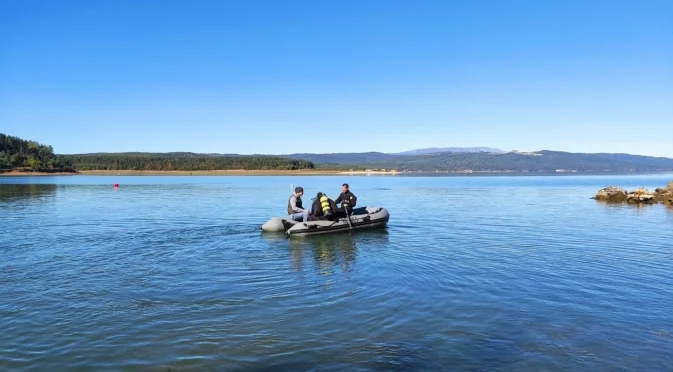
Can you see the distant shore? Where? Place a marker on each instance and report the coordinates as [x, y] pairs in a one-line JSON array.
[[300, 172], [223, 172], [230, 172], [20, 173]]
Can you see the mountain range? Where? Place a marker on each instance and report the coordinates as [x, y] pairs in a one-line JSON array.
[[466, 161], [436, 150], [492, 161], [16, 153]]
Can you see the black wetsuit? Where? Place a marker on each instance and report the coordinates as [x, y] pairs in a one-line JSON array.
[[348, 201]]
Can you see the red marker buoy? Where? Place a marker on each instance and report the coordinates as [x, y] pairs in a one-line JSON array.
[[116, 185]]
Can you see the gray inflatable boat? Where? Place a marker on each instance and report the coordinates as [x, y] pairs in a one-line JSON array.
[[362, 218]]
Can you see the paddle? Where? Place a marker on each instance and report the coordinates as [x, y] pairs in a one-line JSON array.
[[348, 217]]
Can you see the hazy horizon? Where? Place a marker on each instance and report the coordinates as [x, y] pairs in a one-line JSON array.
[[305, 77]]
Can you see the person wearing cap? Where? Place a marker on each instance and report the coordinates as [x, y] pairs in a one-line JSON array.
[[294, 206]]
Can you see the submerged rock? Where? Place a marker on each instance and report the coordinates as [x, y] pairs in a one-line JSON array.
[[612, 194]]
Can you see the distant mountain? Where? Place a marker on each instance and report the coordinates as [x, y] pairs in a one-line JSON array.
[[436, 150], [453, 162], [345, 158], [510, 162]]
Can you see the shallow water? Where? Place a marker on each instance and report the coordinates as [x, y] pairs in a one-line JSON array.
[[505, 273]]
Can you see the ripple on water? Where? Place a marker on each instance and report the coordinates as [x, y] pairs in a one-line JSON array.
[[178, 276]]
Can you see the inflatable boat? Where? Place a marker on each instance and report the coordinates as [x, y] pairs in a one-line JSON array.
[[362, 218]]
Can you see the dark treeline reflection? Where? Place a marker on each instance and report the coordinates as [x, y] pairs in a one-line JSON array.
[[10, 193]]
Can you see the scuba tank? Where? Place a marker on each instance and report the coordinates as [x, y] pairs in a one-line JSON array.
[[326, 206]]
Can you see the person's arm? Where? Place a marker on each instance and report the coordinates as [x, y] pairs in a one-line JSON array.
[[354, 201], [339, 199]]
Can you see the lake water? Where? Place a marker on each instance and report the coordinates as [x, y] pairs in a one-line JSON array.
[[472, 273]]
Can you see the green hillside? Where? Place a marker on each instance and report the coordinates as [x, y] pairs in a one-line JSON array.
[[182, 161], [17, 153]]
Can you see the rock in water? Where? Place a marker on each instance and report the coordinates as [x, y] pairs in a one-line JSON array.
[[640, 196], [664, 195], [612, 194]]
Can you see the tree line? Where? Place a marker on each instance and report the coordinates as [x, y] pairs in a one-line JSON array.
[[183, 162], [19, 153], [16, 153]]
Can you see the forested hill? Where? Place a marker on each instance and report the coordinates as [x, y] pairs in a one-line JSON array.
[[17, 153], [184, 161], [511, 162], [514, 162]]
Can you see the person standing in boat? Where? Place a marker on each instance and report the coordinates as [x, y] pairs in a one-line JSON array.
[[294, 206], [347, 199]]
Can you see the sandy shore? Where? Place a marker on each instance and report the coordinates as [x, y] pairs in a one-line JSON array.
[[382, 173], [236, 172]]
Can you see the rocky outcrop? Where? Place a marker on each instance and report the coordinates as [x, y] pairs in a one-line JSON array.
[[640, 196], [664, 195], [613, 194]]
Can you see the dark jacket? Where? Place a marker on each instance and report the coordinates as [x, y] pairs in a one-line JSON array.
[[316, 209], [347, 200]]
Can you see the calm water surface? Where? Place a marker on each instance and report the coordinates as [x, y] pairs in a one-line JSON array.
[[473, 273]]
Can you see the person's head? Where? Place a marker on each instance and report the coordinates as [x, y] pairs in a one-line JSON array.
[[299, 191], [344, 187]]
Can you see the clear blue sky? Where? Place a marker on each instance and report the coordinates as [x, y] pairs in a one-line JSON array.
[[338, 76]]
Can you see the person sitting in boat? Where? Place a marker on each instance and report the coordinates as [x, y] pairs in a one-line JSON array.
[[294, 206], [323, 208], [347, 199]]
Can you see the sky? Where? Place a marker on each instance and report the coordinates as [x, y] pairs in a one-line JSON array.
[[279, 77]]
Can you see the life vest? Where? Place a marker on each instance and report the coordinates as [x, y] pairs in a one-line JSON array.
[[289, 206]]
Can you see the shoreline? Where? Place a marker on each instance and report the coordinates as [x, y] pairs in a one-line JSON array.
[[304, 172], [222, 172], [29, 174]]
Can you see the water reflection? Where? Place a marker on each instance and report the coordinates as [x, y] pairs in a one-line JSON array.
[[332, 253], [10, 193], [618, 208]]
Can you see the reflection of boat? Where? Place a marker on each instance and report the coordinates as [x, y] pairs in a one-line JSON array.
[[362, 218]]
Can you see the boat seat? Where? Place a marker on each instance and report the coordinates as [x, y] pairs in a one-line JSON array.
[[359, 211]]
